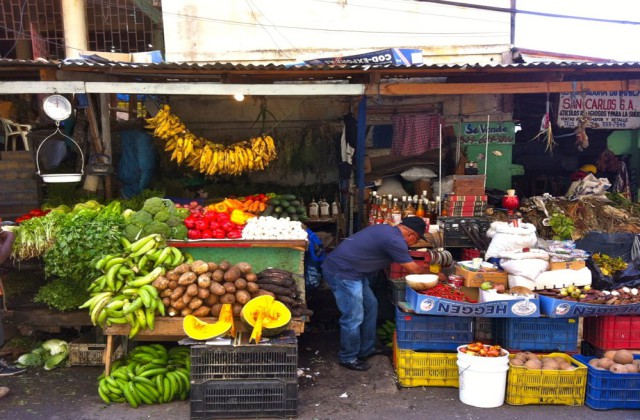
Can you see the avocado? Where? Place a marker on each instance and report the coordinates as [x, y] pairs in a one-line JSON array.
[[295, 202], [274, 201], [284, 204], [301, 210], [292, 209], [267, 211]]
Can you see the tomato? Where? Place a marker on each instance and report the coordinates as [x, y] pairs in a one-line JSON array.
[[234, 234], [194, 234], [201, 224], [207, 234], [23, 218], [190, 222], [36, 213]]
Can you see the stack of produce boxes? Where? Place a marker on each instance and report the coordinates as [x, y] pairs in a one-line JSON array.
[[239, 380]]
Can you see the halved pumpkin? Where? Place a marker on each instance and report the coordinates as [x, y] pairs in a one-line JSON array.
[[265, 316], [200, 330]]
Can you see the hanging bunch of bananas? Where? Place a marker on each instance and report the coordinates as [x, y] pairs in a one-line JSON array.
[[205, 156]]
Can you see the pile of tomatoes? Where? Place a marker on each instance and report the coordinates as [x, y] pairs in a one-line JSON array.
[[33, 213], [482, 350], [212, 225]]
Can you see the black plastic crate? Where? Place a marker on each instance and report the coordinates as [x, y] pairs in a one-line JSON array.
[[244, 399], [277, 359], [398, 289]]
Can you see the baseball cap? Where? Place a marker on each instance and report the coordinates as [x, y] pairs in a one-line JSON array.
[[416, 224]]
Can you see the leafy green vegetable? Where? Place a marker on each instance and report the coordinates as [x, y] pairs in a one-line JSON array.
[[153, 205], [62, 295], [56, 346], [140, 218], [50, 354], [562, 226]]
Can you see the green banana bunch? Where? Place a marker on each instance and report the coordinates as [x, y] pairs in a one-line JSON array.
[[124, 293], [386, 332], [149, 375]]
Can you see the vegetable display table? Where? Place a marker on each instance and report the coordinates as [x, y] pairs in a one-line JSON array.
[[168, 329], [261, 254]]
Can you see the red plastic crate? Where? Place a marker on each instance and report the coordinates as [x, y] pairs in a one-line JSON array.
[[470, 253], [423, 258], [613, 332]]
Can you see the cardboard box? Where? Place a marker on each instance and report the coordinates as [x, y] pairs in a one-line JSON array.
[[567, 265], [430, 305], [476, 278], [559, 308]]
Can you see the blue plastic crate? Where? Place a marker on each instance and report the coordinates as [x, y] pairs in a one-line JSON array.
[[432, 332], [607, 390], [537, 334]]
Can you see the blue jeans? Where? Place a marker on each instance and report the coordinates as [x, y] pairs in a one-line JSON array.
[[358, 315]]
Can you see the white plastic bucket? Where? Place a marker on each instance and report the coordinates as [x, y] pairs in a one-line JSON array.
[[483, 380]]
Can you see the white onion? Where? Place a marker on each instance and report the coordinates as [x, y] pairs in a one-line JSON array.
[[271, 228]]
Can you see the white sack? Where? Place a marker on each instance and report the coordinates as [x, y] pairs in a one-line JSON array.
[[505, 238], [418, 174], [515, 280], [527, 268]]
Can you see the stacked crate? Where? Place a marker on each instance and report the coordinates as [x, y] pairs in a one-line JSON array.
[[245, 381], [465, 205], [607, 390]]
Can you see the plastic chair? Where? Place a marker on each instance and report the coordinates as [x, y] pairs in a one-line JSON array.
[[12, 131]]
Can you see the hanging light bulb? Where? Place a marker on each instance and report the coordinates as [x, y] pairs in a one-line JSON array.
[[238, 97]]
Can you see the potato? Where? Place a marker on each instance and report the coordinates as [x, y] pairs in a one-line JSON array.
[[631, 368], [244, 267], [203, 293], [228, 298], [202, 311], [595, 362], [186, 311], [161, 283], [212, 266], [177, 293], [172, 275], [236, 308], [173, 284], [215, 310], [182, 268], [224, 265], [166, 301], [199, 267], [165, 293], [195, 303], [550, 365], [192, 289], [516, 362], [559, 359], [217, 289], [229, 287], [232, 274], [178, 304], [251, 277], [211, 300], [240, 284], [262, 292], [533, 364], [618, 368], [186, 298], [606, 363], [252, 287], [610, 354], [242, 296], [218, 276], [187, 278], [623, 357], [204, 280]]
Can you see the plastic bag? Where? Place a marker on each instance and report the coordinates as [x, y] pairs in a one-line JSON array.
[[313, 258], [612, 244], [418, 174], [505, 238], [629, 277]]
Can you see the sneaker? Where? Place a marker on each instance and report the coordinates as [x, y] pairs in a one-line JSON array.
[[8, 370], [357, 364]]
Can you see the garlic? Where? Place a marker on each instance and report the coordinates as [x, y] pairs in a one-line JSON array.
[[615, 293], [634, 291], [626, 289], [606, 292]]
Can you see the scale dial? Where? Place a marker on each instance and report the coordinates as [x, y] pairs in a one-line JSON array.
[[57, 107]]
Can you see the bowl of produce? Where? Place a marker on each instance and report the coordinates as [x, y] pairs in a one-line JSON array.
[[421, 282]]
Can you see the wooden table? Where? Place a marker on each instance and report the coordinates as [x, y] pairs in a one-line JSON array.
[[166, 329]]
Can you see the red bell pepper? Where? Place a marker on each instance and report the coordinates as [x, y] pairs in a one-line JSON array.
[[219, 234], [201, 224], [190, 222], [207, 234], [234, 234]]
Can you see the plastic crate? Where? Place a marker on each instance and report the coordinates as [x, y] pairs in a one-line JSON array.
[[395, 271], [263, 361], [425, 369], [483, 329], [85, 351], [613, 332], [244, 399], [607, 390], [470, 253], [398, 290], [537, 386], [432, 332], [537, 334]]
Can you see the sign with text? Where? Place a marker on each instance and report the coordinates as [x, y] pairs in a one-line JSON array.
[[604, 110], [476, 132], [558, 308]]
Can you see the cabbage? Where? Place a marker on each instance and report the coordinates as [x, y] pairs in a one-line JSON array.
[[54, 361], [32, 359], [56, 346]]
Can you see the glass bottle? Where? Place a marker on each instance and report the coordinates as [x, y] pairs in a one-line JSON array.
[[420, 210], [410, 210], [324, 209], [379, 214], [384, 207], [396, 212]]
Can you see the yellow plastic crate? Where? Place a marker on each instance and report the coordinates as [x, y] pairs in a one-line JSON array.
[[416, 368], [537, 386]]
